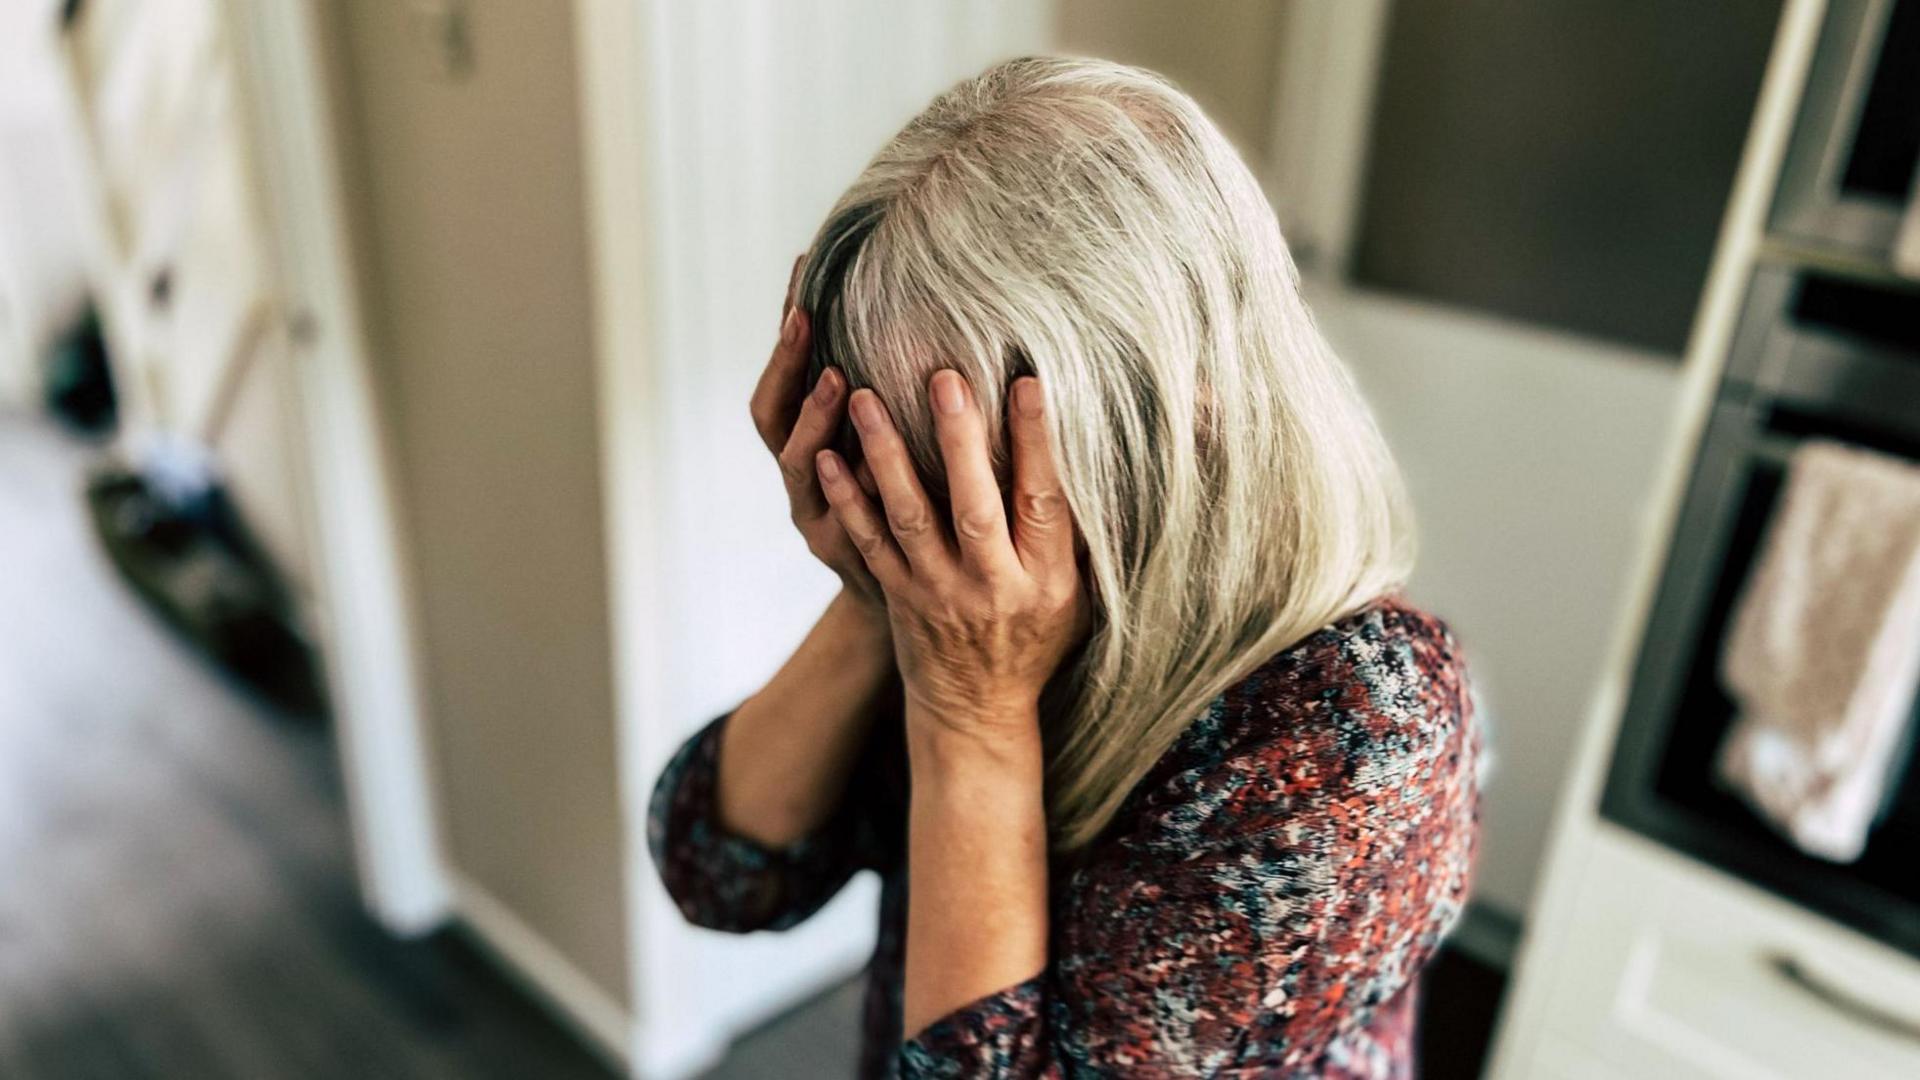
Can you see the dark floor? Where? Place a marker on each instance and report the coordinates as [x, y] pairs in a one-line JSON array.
[[1459, 1004], [820, 1040], [177, 897]]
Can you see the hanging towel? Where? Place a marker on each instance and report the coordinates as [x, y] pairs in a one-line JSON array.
[[1824, 648]]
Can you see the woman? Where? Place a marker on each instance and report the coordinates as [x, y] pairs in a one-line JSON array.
[[1162, 775]]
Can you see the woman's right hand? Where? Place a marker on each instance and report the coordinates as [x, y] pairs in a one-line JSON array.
[[796, 426]]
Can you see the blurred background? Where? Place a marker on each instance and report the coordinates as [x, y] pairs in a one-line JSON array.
[[379, 506]]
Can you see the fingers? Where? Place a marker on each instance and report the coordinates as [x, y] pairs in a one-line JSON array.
[[776, 399], [1042, 524], [910, 516], [862, 522], [979, 519], [812, 432]]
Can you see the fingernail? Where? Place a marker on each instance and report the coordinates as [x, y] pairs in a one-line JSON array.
[[1026, 396], [866, 411], [790, 326], [949, 395], [829, 468], [828, 388]]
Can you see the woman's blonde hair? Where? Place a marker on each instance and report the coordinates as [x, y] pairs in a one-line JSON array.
[[1085, 222]]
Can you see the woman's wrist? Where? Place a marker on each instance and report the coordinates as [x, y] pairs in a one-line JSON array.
[[977, 863], [865, 620], [983, 744]]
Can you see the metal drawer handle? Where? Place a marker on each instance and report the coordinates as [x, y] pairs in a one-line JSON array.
[[1841, 1000]]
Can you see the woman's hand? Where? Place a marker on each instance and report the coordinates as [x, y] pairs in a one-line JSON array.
[[982, 613], [796, 425]]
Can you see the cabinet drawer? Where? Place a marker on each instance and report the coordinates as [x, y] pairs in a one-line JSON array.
[[1672, 970]]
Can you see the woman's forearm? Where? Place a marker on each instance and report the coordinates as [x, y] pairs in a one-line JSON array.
[[977, 869], [982, 617], [787, 751]]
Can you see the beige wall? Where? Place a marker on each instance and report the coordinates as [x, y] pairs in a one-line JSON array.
[[472, 243], [1223, 52]]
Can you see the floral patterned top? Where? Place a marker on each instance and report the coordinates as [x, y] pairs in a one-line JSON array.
[[1262, 905]]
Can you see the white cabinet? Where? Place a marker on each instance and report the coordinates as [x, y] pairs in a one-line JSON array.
[[1666, 968]]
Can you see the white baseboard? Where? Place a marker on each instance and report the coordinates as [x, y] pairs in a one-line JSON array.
[[679, 1053], [529, 959]]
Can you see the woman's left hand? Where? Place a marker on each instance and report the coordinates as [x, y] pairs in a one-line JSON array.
[[982, 612]]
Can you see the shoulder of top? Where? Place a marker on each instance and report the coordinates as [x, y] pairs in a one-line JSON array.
[[1385, 646], [1373, 700]]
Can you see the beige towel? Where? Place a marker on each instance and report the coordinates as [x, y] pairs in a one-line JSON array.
[[1824, 650]]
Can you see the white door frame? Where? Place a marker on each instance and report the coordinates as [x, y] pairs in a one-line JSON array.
[[363, 597], [618, 180]]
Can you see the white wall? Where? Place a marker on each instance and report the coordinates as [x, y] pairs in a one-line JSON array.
[[755, 115], [1530, 456]]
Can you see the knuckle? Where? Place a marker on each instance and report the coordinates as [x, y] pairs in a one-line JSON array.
[[1060, 604], [868, 545], [793, 469], [1061, 593], [1039, 508], [909, 522], [974, 525], [764, 423]]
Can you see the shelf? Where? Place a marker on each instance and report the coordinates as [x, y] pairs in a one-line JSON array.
[[1786, 251]]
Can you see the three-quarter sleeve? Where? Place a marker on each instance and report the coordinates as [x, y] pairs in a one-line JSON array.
[[1269, 919], [724, 881]]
